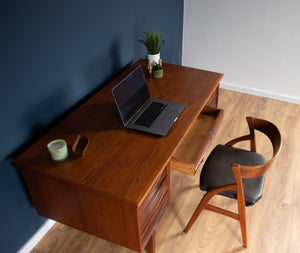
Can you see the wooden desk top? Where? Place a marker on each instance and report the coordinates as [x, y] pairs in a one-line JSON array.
[[122, 163]]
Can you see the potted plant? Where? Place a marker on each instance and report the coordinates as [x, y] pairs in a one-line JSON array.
[[158, 71], [153, 42]]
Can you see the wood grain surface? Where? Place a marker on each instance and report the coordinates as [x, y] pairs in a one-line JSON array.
[[273, 223]]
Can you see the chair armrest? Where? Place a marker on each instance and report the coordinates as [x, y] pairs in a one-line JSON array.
[[239, 139]]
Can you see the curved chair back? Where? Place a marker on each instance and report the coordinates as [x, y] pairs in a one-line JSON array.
[[272, 132]]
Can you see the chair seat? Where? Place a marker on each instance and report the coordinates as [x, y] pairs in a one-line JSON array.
[[217, 172]]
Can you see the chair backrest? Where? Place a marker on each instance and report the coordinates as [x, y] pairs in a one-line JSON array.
[[272, 132]]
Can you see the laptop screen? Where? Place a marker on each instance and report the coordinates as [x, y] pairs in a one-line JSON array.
[[131, 94]]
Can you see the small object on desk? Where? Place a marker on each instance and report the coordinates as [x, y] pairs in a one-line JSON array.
[[58, 150], [149, 67], [158, 70], [80, 145]]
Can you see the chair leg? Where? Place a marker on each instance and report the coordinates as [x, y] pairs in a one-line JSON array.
[[243, 223], [203, 204], [197, 212], [241, 202]]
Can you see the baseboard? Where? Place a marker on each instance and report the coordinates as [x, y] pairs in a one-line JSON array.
[[38, 235], [258, 92]]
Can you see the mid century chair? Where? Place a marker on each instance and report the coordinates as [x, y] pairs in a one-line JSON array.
[[237, 173]]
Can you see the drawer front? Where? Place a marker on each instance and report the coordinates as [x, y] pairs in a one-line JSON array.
[[156, 189], [153, 207], [153, 221]]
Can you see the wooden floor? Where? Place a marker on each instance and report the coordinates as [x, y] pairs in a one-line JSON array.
[[273, 223]]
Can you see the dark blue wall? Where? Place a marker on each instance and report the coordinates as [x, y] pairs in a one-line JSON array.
[[54, 53]]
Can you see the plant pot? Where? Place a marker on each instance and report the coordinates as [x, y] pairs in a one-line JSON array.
[[154, 58], [158, 73]]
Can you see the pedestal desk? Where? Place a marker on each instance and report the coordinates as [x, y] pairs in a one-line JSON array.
[[120, 188]]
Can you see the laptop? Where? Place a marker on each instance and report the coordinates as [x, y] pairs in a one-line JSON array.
[[141, 112]]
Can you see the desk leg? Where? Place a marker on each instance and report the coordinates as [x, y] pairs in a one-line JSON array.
[[151, 244]]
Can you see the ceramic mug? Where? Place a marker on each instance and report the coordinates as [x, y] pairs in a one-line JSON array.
[[58, 150]]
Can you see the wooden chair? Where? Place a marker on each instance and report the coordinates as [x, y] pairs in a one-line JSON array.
[[237, 173]]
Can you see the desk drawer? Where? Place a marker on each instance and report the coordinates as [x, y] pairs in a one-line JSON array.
[[153, 207], [192, 149], [150, 203], [157, 189], [149, 227]]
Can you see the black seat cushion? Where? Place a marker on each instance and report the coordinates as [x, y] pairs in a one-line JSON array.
[[217, 172]]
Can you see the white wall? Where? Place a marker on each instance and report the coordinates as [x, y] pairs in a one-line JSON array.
[[256, 44]]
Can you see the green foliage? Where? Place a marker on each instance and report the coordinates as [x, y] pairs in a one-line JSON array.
[[153, 42], [157, 66]]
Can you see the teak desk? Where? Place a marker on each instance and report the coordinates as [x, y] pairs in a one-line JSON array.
[[120, 189]]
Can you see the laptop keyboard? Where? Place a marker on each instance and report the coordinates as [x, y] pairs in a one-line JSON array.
[[150, 114]]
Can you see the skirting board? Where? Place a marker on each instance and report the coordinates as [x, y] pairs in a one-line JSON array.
[[261, 93], [38, 235]]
